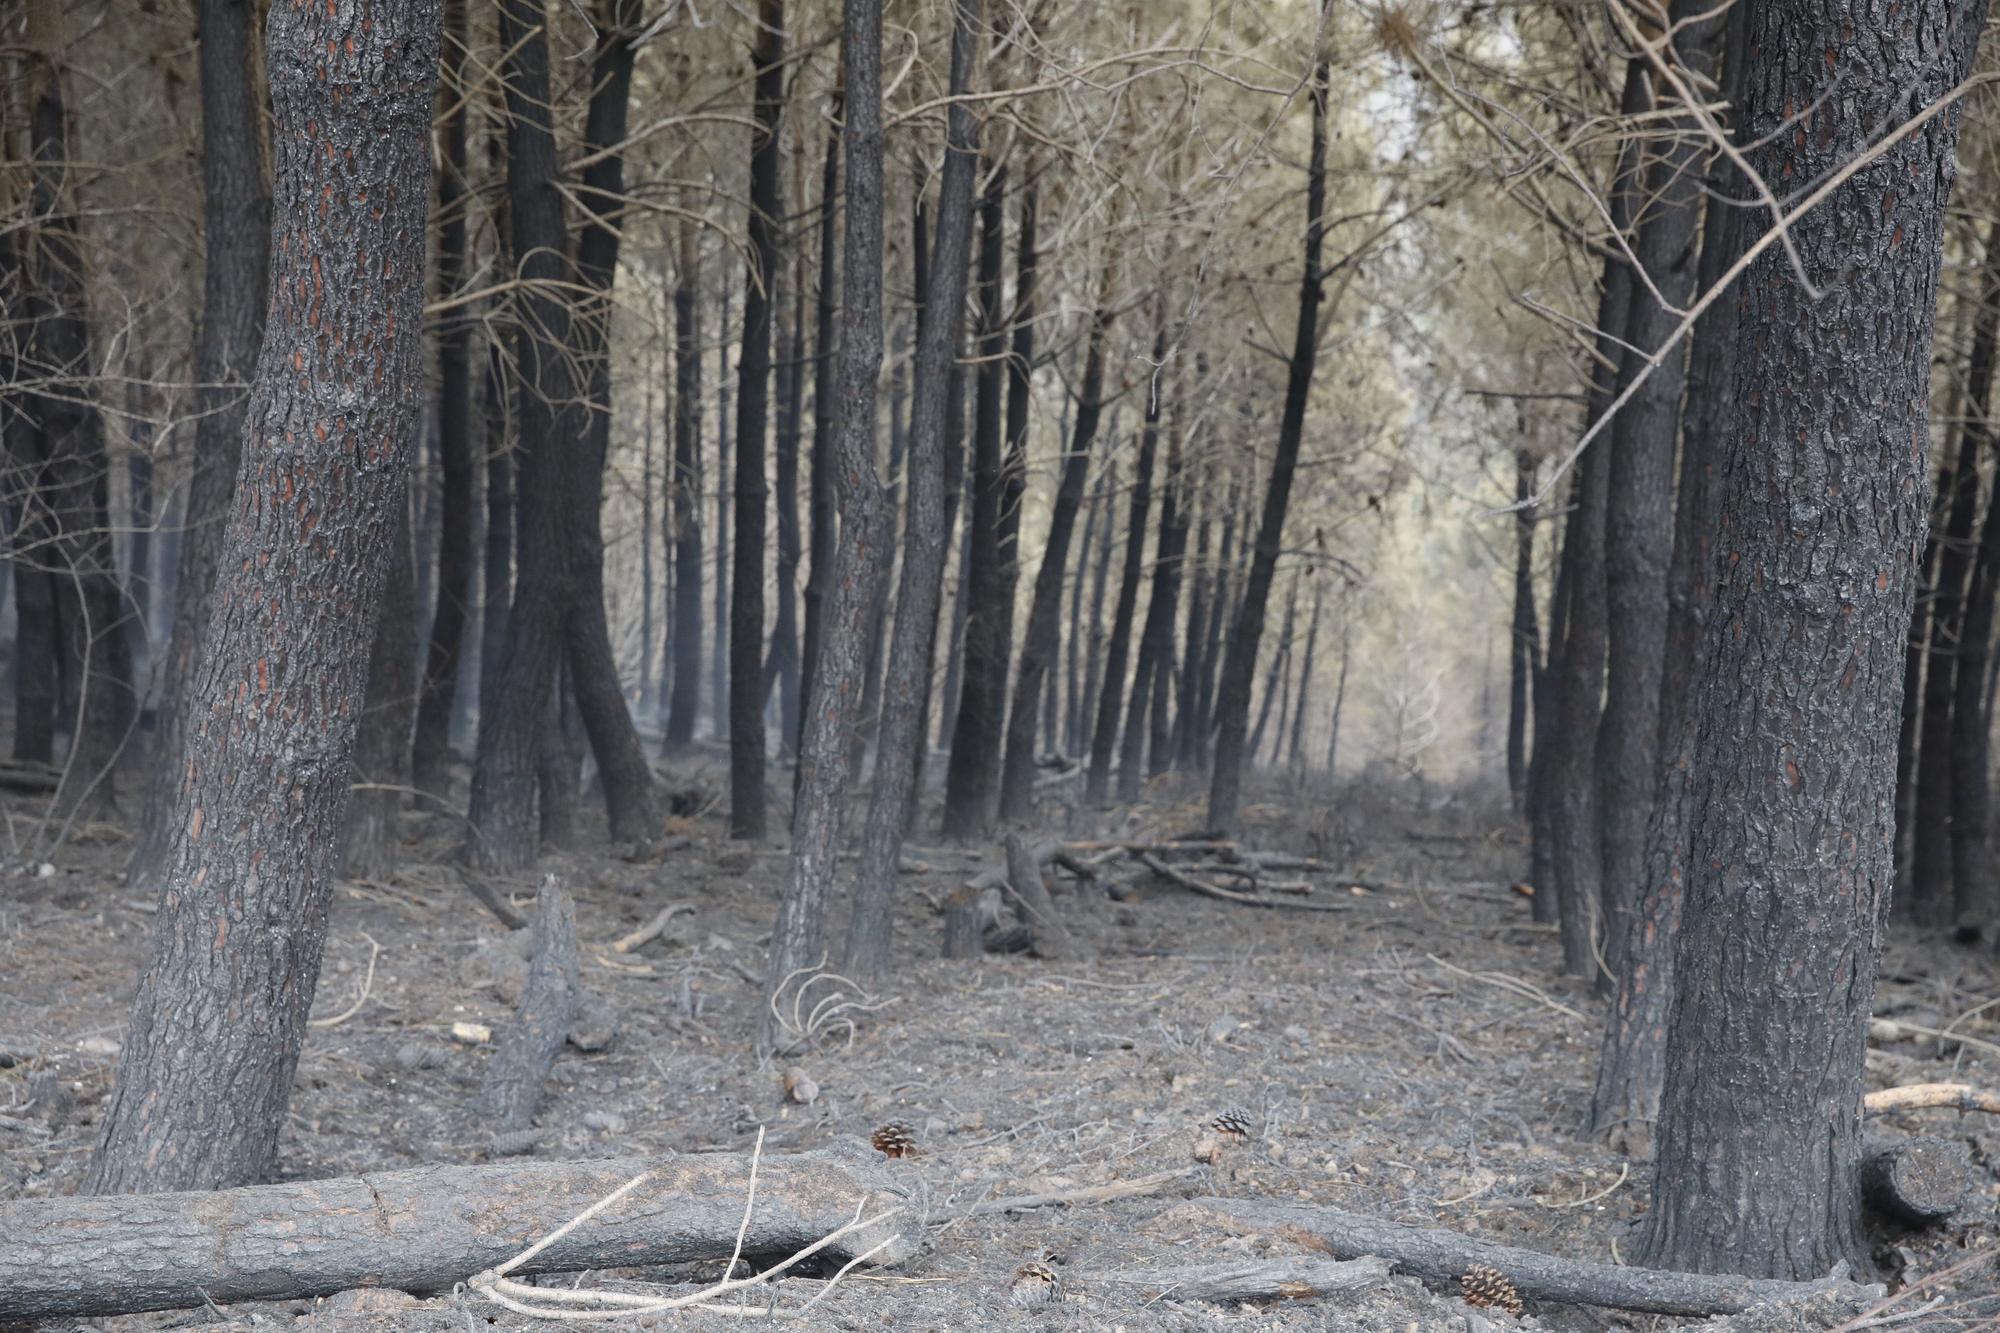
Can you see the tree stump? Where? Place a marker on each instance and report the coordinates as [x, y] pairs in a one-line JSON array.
[[1920, 1181], [1052, 939], [512, 1089], [962, 925]]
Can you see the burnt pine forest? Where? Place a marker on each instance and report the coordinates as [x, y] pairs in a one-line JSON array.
[[946, 664]]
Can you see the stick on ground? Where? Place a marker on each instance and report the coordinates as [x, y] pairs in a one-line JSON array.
[[512, 1089], [1446, 1256]]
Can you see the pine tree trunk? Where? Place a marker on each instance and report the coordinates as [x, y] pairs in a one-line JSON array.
[[1525, 640], [868, 521], [822, 510], [498, 557], [34, 664], [236, 242], [1073, 713], [1221, 612], [207, 1067], [382, 736], [1788, 869], [685, 502], [1297, 756], [781, 663], [746, 605], [1232, 707], [725, 503], [1575, 811], [550, 422], [867, 952], [970, 776], [1200, 577], [1118, 649], [1041, 640], [598, 689], [1100, 581], [1154, 673], [1626, 1102], [91, 606], [1639, 514], [430, 759]]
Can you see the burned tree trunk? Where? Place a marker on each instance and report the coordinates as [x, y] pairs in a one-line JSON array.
[[686, 494], [497, 599], [1525, 641], [208, 1060], [725, 503], [430, 753], [236, 242], [1040, 642], [923, 549], [1073, 712], [970, 776], [382, 736], [1789, 859], [1971, 802], [746, 603], [1233, 705], [821, 509], [1111, 692], [868, 521], [1153, 678]]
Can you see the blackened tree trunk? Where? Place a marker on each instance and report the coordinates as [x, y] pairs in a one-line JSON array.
[[1639, 513], [917, 596], [822, 510], [1971, 805], [1525, 640], [865, 724], [1013, 483], [1339, 695], [725, 503], [746, 604], [598, 690], [1575, 812], [867, 524], [685, 504], [1041, 640], [550, 422], [382, 751], [1220, 613], [1100, 580], [1073, 713], [207, 1067], [1199, 577], [781, 663], [1111, 696], [1931, 859], [236, 246], [1626, 1102], [1796, 705], [1232, 707], [970, 776], [91, 606], [1296, 758], [498, 571], [1153, 677], [29, 528], [430, 757], [1275, 676]]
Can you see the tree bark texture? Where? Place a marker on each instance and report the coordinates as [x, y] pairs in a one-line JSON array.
[[382, 736], [208, 1060], [867, 528], [236, 254], [1824, 500], [753, 380], [1232, 705], [821, 506], [1118, 649], [1524, 640], [908, 676], [725, 503], [1156, 640], [497, 598]]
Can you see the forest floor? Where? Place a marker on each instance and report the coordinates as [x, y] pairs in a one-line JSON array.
[[1415, 1056]]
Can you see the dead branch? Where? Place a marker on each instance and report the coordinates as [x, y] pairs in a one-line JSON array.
[[652, 930], [1207, 890], [1288, 1279], [1052, 938], [1931, 1096], [425, 1229], [1445, 1257], [512, 1089], [1118, 1189]]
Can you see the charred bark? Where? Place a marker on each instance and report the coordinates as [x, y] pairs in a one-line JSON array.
[[685, 492]]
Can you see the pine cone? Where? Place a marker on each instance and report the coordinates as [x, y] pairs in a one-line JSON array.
[[1235, 1125], [1488, 1288], [894, 1139], [1035, 1285]]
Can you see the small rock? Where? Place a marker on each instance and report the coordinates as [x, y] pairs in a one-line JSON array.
[[497, 967], [799, 1087], [604, 1122], [98, 1048], [1219, 1030], [1298, 1034], [45, 871], [472, 1034], [370, 1300], [413, 1055]]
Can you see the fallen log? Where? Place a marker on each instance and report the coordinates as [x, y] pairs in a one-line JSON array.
[[1052, 939], [511, 1091], [1207, 890], [1919, 1181], [424, 1230], [1287, 1279], [1931, 1097], [1446, 1256]]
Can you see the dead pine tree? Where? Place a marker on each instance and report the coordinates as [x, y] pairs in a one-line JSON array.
[[206, 1071], [917, 597], [1232, 705]]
